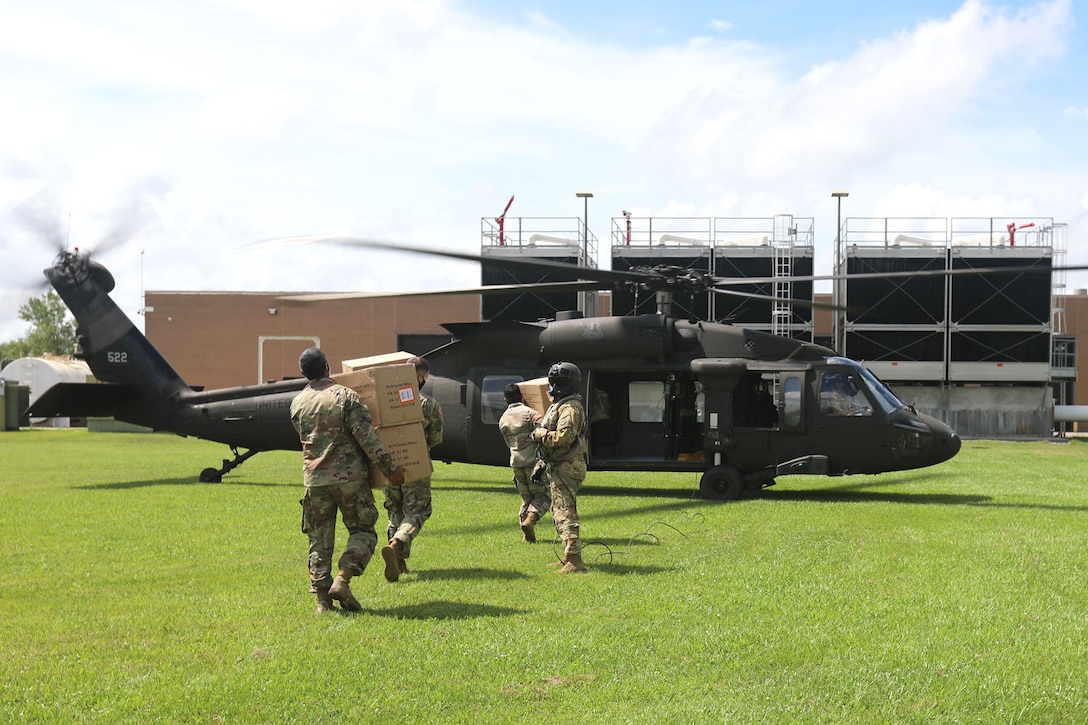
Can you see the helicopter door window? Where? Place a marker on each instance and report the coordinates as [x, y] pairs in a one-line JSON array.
[[492, 403], [791, 401], [841, 395], [646, 401]]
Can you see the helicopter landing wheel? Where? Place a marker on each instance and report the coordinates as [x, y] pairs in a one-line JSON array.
[[210, 475], [721, 483]]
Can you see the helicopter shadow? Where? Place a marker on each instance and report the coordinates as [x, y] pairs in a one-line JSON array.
[[611, 490], [832, 495], [590, 489], [862, 492], [837, 495]]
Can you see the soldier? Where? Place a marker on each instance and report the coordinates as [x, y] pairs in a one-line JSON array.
[[516, 423], [839, 395], [409, 504], [335, 430], [561, 435]]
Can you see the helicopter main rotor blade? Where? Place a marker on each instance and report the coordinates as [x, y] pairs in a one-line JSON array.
[[770, 298], [658, 278], [539, 288], [557, 268], [961, 271]]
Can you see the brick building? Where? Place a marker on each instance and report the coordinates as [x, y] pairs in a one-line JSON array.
[[223, 339]]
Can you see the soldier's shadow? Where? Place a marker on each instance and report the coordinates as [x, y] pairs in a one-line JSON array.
[[444, 609], [467, 573]]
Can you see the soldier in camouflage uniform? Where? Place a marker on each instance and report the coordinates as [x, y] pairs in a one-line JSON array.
[[561, 435], [409, 503], [516, 423], [337, 438]]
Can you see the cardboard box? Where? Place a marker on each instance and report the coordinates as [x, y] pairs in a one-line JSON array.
[[390, 392], [534, 393], [408, 445], [390, 358]]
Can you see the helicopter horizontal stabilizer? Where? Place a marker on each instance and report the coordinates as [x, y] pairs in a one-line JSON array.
[[80, 400]]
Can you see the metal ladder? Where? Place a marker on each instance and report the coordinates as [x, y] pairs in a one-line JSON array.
[[782, 251]]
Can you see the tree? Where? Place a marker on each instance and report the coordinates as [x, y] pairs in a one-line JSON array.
[[52, 329]]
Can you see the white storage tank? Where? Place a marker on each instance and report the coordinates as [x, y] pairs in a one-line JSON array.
[[41, 373]]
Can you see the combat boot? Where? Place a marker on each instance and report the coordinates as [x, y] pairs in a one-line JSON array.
[[324, 602], [341, 592], [402, 565], [392, 556], [574, 565], [527, 527]]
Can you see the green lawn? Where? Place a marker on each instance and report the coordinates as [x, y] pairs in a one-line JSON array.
[[132, 593]]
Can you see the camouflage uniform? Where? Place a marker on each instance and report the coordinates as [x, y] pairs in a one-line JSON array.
[[409, 505], [516, 423], [563, 448], [337, 438]]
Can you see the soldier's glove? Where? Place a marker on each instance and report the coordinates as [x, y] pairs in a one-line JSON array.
[[537, 474]]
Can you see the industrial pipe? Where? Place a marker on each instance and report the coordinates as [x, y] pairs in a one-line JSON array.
[[1070, 413]]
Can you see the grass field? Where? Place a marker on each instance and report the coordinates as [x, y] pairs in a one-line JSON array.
[[131, 593]]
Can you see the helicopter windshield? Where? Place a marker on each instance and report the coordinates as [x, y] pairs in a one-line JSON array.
[[886, 398]]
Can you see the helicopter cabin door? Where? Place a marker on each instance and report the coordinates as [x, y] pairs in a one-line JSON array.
[[643, 416]]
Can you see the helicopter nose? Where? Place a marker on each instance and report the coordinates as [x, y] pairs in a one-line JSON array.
[[946, 442]]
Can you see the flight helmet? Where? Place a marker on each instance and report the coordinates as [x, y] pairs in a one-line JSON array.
[[564, 379]]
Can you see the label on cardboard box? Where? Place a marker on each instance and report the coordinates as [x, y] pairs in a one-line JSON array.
[[534, 393], [390, 392], [408, 445]]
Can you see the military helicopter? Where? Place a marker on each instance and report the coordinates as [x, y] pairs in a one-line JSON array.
[[738, 406]]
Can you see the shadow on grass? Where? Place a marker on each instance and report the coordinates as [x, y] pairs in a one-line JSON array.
[[586, 512], [834, 495], [589, 489], [614, 569], [187, 481], [645, 538], [466, 574], [602, 554], [640, 491], [848, 494], [442, 610], [861, 490]]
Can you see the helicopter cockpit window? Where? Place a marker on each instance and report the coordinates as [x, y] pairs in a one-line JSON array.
[[492, 404], [841, 394], [885, 397], [646, 401]]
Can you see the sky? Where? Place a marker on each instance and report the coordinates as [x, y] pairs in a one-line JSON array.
[[194, 129]]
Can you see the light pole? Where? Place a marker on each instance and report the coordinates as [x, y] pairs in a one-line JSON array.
[[585, 196], [838, 333]]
